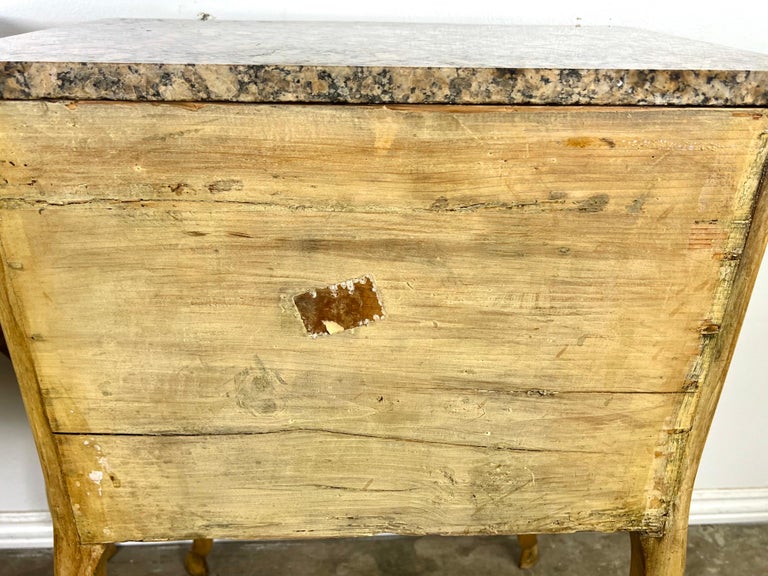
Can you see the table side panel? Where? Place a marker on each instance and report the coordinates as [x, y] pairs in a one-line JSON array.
[[548, 277]]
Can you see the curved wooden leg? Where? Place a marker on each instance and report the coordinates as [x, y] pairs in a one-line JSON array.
[[73, 559], [636, 561], [658, 556], [529, 550], [196, 563], [109, 551]]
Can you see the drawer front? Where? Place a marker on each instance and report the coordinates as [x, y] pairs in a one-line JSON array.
[[547, 278], [310, 483]]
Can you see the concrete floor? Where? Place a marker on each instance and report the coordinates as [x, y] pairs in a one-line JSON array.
[[713, 550]]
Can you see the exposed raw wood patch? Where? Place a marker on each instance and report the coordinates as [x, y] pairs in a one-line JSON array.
[[338, 307]]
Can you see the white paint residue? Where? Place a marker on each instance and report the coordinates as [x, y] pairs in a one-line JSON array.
[[96, 477]]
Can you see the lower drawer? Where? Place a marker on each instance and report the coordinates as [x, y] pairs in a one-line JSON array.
[[315, 484]]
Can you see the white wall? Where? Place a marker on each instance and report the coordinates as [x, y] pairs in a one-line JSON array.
[[21, 482], [737, 453]]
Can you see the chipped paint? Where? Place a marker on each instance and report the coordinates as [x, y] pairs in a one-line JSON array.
[[339, 307], [96, 477]]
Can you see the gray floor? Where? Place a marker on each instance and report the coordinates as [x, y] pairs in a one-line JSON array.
[[713, 550]]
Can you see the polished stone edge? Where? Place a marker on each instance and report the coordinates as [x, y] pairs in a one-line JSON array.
[[379, 85]]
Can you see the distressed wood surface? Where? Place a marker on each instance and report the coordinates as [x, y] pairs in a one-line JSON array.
[[315, 484], [517, 344], [665, 554], [380, 158], [71, 558], [551, 279]]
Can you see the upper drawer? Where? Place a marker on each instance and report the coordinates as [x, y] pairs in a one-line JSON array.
[[546, 273]]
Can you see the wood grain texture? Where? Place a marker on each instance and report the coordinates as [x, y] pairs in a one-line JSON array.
[[665, 554], [235, 356], [315, 484], [379, 158], [553, 280], [71, 558]]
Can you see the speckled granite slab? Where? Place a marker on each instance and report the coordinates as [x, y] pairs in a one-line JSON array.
[[177, 60]]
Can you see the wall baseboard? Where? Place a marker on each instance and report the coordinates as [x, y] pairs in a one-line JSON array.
[[735, 506], [26, 530]]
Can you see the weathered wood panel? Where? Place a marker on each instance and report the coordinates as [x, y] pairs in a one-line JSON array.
[[139, 326], [585, 245], [549, 277], [667, 552], [302, 484], [382, 158]]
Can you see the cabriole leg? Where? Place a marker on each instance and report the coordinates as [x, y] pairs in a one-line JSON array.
[[74, 559], [658, 556], [196, 563], [529, 550]]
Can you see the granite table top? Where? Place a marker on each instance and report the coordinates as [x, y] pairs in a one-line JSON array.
[[376, 63]]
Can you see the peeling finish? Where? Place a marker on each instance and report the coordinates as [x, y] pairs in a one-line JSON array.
[[96, 476], [637, 205], [595, 203], [218, 186], [339, 307]]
